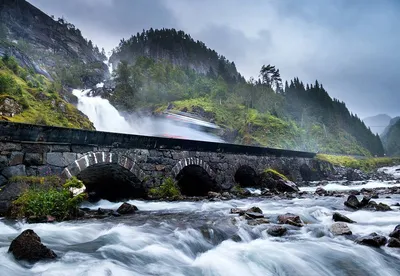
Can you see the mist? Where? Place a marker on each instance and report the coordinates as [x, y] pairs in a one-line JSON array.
[[105, 117]]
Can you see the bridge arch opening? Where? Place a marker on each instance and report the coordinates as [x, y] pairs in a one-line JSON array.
[[111, 182], [194, 180], [246, 176], [108, 176]]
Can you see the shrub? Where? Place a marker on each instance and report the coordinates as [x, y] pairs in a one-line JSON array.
[[169, 188], [7, 82], [40, 201]]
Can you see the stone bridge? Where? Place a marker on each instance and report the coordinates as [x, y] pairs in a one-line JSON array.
[[115, 165]]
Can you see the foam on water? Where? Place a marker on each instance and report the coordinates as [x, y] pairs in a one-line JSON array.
[[194, 238]]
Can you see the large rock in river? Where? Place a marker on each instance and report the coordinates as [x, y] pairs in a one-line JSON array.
[[127, 208], [28, 246], [373, 239], [277, 182], [340, 228]]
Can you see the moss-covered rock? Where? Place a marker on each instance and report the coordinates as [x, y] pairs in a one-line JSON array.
[[277, 182]]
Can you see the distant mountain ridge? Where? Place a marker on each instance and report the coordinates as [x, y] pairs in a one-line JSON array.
[[178, 48], [377, 123]]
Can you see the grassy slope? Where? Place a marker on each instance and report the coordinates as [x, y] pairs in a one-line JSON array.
[[41, 103], [365, 164], [253, 127], [267, 130]]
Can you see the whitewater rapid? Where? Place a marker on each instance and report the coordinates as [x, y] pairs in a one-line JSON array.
[[202, 238]]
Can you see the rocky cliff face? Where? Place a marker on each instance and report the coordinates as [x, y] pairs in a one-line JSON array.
[[45, 45]]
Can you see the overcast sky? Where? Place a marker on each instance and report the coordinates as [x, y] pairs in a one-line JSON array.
[[351, 46]]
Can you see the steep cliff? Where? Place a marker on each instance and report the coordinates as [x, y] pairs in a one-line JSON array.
[[53, 48]]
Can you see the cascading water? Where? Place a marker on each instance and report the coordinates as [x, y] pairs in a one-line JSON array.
[[102, 114]]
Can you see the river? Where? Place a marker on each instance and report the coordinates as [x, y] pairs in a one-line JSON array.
[[202, 238]]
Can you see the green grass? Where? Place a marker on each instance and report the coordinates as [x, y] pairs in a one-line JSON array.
[[39, 99], [364, 164], [169, 189]]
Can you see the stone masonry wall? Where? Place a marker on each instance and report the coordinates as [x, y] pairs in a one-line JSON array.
[[150, 166]]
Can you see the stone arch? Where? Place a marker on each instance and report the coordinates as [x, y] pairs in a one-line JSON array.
[[108, 176], [194, 177], [192, 161], [246, 176], [92, 158]]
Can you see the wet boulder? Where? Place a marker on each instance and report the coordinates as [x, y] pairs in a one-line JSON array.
[[352, 202], [277, 230], [251, 215], [393, 242], [365, 201], [396, 232], [126, 209], [372, 239], [353, 175], [321, 191], [339, 217], [340, 228], [277, 182], [382, 207], [28, 246], [214, 195], [290, 219], [259, 221]]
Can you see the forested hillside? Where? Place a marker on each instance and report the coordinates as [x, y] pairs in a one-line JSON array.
[[391, 138], [178, 48], [260, 111]]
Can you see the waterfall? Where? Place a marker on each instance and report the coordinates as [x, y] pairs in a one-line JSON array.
[[102, 114], [106, 117]]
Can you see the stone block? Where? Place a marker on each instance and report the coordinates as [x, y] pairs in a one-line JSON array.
[[35, 148], [33, 159], [16, 158], [82, 149], [48, 170], [3, 180], [69, 158], [60, 148], [178, 155], [10, 146], [3, 161], [32, 171], [60, 159], [11, 171], [155, 153], [55, 159]]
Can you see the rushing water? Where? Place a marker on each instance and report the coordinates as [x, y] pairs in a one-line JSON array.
[[202, 238]]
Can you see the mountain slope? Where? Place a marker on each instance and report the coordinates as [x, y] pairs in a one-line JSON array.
[[49, 47], [391, 138], [377, 123], [31, 98], [297, 117], [178, 48]]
